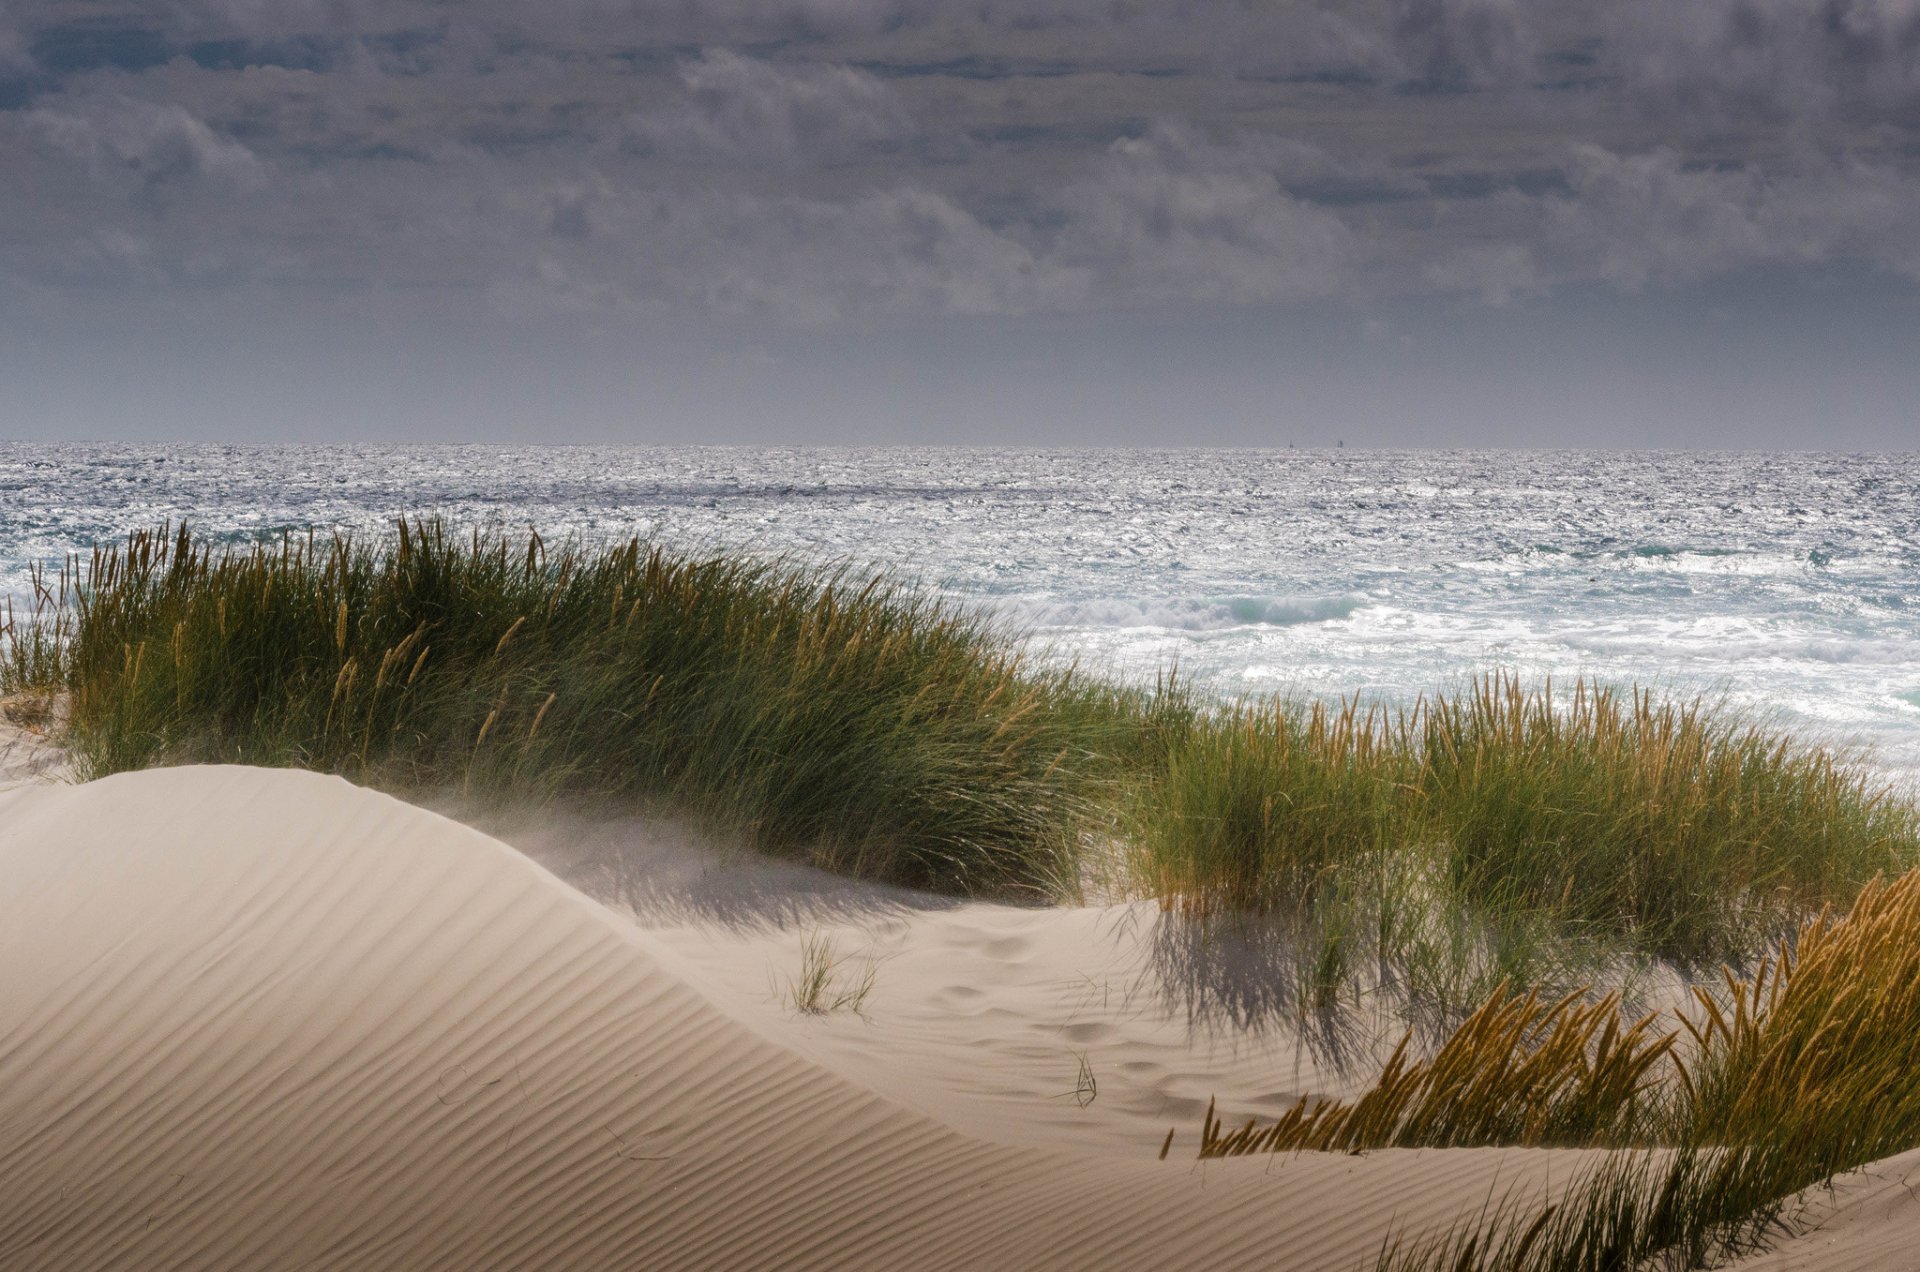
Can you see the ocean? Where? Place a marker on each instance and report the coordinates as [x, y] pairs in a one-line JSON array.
[[1786, 584]]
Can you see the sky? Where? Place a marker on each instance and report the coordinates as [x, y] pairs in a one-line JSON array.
[[1039, 222]]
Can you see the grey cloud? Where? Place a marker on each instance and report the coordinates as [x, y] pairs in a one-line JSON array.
[[13, 48], [740, 109], [566, 21], [1441, 43], [1633, 219], [802, 159], [1461, 43], [129, 142], [1630, 218], [1496, 272], [794, 259], [1174, 216], [1718, 63], [1170, 216], [1637, 220]]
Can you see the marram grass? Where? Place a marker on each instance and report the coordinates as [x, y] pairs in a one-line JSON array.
[[1691, 836], [1623, 812], [1520, 1070], [1808, 1068], [799, 711]]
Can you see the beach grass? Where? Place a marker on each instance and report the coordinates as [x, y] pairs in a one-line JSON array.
[[1693, 831], [1764, 1086], [821, 989], [1695, 835], [34, 643], [851, 721], [1521, 1070]]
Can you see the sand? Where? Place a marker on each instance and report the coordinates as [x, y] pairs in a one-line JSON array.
[[265, 1019], [1869, 1219], [1095, 1027]]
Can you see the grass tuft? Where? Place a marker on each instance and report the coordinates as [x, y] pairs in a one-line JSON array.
[[1805, 1070], [1520, 1070], [820, 990], [1494, 834]]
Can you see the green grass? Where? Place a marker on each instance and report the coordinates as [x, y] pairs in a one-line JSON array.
[[1488, 835], [850, 721], [34, 645], [820, 989], [1698, 835], [1262, 806]]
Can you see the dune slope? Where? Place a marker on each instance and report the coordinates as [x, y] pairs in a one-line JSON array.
[[265, 1019]]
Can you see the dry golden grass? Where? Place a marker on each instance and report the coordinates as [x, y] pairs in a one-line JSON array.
[[1520, 1070], [1808, 1068], [1825, 1038]]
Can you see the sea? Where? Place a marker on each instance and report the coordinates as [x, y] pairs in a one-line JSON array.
[[1783, 585]]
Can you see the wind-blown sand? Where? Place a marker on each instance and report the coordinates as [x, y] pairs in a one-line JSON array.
[[980, 1015], [265, 1019]]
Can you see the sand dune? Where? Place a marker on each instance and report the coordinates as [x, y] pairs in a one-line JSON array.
[[264, 1019], [258, 1019]]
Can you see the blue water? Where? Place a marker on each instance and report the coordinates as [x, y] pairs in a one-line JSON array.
[[1788, 584]]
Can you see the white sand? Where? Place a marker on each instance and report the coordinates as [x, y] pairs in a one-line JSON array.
[[263, 1019]]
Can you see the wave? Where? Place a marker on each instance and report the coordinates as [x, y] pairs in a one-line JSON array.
[[1189, 614], [1722, 649]]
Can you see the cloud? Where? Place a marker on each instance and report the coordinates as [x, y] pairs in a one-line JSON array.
[[1167, 217], [1634, 221], [1460, 44], [1496, 272], [1720, 63], [127, 142], [13, 48], [821, 161], [735, 109], [1630, 218], [1175, 216], [794, 259]]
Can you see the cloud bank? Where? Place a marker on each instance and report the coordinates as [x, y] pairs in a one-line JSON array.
[[824, 160], [853, 169]]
